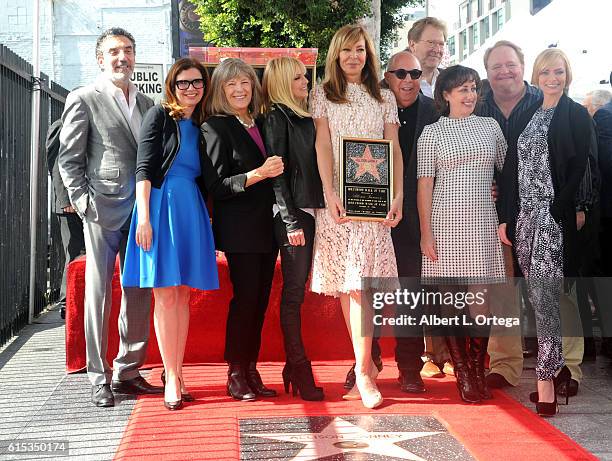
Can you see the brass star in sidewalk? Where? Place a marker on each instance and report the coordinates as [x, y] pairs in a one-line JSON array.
[[342, 436], [367, 164]]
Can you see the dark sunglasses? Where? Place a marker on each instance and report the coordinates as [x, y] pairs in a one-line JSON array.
[[415, 74], [198, 83]]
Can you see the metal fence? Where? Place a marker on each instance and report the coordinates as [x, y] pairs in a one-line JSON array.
[[16, 88]]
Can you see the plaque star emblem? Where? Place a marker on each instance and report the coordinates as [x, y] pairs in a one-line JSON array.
[[366, 163], [342, 436]]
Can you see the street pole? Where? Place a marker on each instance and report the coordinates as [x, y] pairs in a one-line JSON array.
[[34, 154]]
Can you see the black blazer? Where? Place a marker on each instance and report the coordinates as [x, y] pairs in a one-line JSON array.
[[569, 142], [241, 217], [52, 146], [292, 137], [160, 141], [408, 232], [603, 119]]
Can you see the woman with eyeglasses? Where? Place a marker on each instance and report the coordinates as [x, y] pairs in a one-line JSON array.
[[243, 226], [289, 132], [539, 188], [462, 254], [350, 102], [170, 246]]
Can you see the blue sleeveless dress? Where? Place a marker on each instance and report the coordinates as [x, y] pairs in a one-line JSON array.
[[182, 251]]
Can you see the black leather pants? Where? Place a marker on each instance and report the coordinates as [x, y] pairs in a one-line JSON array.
[[295, 264]]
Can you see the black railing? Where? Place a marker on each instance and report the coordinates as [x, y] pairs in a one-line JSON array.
[[16, 89]]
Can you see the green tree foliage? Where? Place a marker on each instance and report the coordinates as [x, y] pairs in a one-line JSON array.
[[289, 23]]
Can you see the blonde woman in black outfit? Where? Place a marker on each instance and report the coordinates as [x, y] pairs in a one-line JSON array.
[[289, 133], [540, 217]]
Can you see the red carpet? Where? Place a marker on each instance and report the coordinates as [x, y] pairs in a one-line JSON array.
[[209, 428], [322, 318]]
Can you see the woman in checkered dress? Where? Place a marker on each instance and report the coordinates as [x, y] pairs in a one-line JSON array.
[[461, 250]]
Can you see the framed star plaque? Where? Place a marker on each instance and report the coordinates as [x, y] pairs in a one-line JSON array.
[[366, 177]]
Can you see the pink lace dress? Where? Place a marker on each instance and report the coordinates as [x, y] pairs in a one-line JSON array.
[[344, 253]]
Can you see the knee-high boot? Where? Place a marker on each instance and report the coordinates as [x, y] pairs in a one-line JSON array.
[[477, 352], [457, 347]]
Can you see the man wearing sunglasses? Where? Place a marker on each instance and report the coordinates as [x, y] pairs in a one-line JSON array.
[[97, 162], [403, 77]]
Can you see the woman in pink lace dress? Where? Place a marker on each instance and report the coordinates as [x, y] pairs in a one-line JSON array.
[[351, 103]]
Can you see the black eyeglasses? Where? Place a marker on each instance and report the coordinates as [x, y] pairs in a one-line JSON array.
[[198, 83], [415, 74]]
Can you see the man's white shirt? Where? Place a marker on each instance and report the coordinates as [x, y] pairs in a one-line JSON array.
[[129, 109], [426, 88]]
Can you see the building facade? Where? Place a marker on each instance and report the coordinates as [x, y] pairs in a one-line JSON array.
[[580, 31], [69, 28]]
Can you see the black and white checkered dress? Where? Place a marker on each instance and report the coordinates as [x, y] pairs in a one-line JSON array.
[[462, 154]]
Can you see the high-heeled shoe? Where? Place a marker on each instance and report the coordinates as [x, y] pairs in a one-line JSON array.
[[173, 406], [370, 395], [354, 394], [287, 377], [551, 408], [301, 379], [564, 376], [186, 396]]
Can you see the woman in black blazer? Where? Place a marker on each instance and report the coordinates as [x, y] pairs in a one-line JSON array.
[[290, 133], [538, 216], [242, 216]]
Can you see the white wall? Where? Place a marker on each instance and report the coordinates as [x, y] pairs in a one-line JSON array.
[[75, 25]]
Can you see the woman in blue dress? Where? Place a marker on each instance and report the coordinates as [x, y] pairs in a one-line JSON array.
[[170, 246]]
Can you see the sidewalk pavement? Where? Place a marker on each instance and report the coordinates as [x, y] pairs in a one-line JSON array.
[[38, 401]]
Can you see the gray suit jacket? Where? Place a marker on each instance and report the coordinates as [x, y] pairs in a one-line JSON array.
[[97, 157]]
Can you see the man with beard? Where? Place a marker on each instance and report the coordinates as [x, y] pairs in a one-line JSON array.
[[97, 162]]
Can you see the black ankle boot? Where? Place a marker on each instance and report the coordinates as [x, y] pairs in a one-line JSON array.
[[301, 380], [237, 385], [287, 370], [457, 347], [477, 353], [255, 382]]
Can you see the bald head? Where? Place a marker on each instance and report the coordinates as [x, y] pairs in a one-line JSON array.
[[405, 57], [405, 90]]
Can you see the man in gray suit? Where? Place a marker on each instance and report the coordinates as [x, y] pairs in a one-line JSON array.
[[97, 162]]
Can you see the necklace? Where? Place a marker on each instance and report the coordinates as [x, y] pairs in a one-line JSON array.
[[246, 125]]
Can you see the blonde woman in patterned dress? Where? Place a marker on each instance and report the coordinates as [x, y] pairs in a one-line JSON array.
[[351, 103], [456, 159]]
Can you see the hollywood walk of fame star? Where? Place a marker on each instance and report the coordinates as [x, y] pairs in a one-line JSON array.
[[367, 164], [342, 436]]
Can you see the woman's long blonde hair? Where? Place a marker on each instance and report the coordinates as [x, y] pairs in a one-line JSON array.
[[276, 84], [335, 82]]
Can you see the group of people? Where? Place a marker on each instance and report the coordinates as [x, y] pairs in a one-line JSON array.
[[267, 156]]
